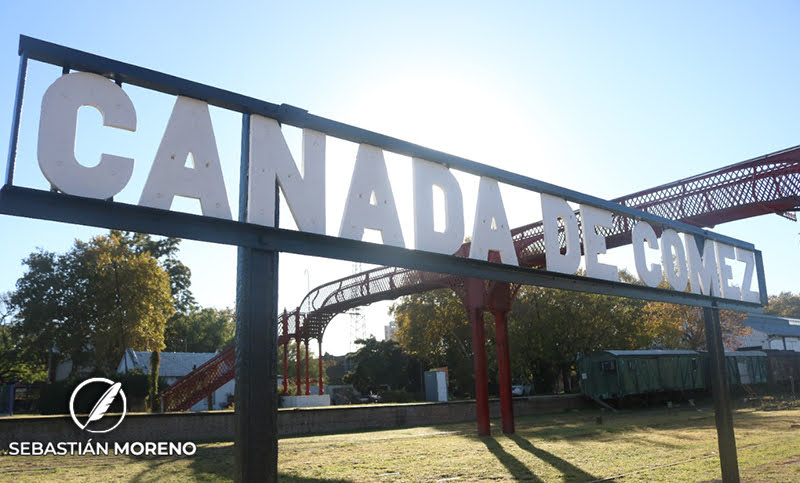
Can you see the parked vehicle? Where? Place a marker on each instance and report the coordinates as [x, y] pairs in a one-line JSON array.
[[519, 389]]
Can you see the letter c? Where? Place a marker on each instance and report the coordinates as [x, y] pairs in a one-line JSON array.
[[57, 127]]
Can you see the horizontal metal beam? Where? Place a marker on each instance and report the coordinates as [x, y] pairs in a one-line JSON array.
[[127, 73], [46, 205]]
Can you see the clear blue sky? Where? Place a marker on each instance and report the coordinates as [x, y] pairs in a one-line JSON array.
[[605, 98]]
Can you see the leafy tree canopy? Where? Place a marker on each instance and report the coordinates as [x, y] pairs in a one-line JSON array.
[[547, 329], [200, 330], [433, 327], [787, 304], [378, 363], [683, 327], [91, 303]]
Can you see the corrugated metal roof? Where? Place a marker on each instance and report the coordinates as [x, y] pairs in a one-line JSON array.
[[654, 352], [173, 364], [746, 353], [771, 325]]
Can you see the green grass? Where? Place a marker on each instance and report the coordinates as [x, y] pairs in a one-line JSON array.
[[644, 446]]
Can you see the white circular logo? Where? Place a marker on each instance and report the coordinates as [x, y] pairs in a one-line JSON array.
[[101, 406]]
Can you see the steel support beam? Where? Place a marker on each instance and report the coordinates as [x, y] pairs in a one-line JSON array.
[[45, 205], [256, 415], [723, 416]]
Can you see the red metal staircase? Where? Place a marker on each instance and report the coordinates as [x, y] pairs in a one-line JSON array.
[[200, 383]]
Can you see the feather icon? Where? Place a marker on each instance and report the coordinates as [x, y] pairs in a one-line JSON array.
[[99, 409]]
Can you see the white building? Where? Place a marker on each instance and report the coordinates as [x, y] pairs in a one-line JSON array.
[[175, 365], [390, 331], [770, 332]]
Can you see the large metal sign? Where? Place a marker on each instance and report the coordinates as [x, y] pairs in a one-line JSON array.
[[690, 257], [695, 264]]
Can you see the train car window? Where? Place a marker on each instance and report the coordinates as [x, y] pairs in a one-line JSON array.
[[694, 364], [608, 366], [632, 365]]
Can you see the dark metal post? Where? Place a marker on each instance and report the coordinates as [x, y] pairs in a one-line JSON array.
[[722, 405], [12, 144], [256, 415]]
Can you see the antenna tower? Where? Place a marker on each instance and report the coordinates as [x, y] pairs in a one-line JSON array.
[[358, 323]]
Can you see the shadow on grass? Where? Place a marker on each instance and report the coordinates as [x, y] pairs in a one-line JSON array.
[[570, 471], [517, 468], [209, 463]]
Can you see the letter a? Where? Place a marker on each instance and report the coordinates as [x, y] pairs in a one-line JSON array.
[[490, 230], [189, 131]]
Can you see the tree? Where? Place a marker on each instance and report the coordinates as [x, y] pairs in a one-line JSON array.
[[378, 363], [434, 328], [165, 250], [200, 330], [153, 404], [675, 326], [15, 364], [90, 303], [787, 304], [548, 328]]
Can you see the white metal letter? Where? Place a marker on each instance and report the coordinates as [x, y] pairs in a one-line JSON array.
[[595, 244], [271, 160], [673, 258], [703, 276], [371, 182], [749, 259], [427, 175], [724, 253], [651, 275], [57, 129], [189, 131], [490, 230], [554, 208]]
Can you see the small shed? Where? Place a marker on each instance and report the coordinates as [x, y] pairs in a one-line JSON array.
[[616, 374]]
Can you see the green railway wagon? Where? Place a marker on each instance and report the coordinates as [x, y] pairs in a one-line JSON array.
[[616, 374], [746, 367]]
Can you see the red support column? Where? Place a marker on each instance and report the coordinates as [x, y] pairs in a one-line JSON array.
[[298, 382], [474, 302], [321, 392], [285, 323], [500, 305], [308, 389], [504, 369]]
